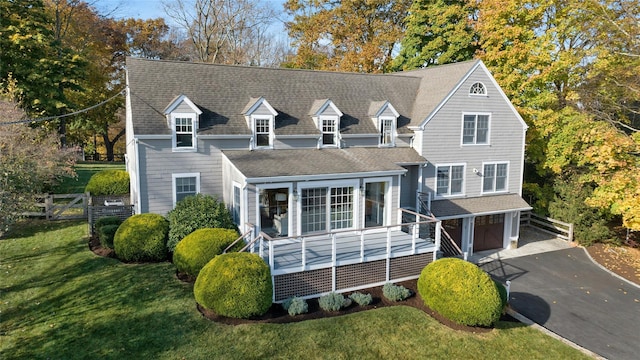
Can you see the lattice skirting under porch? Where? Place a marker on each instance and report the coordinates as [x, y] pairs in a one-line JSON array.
[[349, 277]]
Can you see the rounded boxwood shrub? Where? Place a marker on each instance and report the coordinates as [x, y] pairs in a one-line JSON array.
[[108, 182], [461, 292], [236, 285], [196, 212], [142, 237], [198, 248]]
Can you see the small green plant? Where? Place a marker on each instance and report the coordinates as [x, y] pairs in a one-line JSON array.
[[106, 233], [107, 220], [361, 299], [295, 306], [333, 302], [108, 182], [461, 292], [197, 212], [395, 292], [142, 237], [198, 248], [502, 290], [236, 285]]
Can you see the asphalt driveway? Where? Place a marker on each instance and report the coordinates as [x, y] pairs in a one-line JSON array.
[[567, 293]]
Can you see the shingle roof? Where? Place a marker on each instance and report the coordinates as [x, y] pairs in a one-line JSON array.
[[223, 91], [448, 208], [300, 162]]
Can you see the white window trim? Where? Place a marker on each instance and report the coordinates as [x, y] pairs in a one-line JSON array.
[[233, 201], [464, 181], [394, 133], [486, 92], [496, 163], [388, 196], [476, 114], [183, 175], [194, 137], [336, 133], [254, 142], [330, 184]]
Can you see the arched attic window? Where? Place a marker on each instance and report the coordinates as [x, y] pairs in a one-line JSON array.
[[478, 89]]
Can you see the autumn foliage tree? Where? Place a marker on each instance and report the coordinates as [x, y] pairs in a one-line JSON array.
[[351, 35]]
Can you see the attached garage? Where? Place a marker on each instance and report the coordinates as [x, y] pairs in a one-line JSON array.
[[482, 223]]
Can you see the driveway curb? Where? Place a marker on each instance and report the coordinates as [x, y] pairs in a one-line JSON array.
[[607, 270], [525, 320]]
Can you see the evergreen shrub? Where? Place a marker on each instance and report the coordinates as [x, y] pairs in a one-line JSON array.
[[361, 299], [236, 285], [198, 248], [108, 182], [142, 237], [197, 212], [333, 302], [395, 292], [106, 233], [295, 306], [461, 292]]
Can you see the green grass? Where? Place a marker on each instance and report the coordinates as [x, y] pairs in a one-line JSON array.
[[60, 301], [84, 171]]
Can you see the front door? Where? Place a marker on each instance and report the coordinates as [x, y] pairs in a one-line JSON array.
[[488, 232]]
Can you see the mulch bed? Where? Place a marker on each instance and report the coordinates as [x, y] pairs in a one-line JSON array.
[[277, 315]]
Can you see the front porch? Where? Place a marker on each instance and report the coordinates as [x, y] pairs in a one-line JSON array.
[[341, 261]]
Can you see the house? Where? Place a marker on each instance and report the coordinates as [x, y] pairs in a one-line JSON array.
[[319, 167]]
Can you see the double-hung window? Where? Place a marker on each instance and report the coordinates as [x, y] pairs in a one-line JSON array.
[[185, 185], [475, 129], [494, 177], [329, 127], [449, 180], [387, 127], [183, 131], [262, 132]]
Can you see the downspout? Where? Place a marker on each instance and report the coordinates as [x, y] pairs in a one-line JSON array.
[[138, 185]]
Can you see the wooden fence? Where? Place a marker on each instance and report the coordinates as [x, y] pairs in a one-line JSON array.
[[547, 225], [60, 206]]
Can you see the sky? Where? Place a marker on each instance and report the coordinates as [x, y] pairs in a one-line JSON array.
[[148, 9]]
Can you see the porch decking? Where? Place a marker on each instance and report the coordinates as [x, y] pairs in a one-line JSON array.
[[313, 252], [347, 260]]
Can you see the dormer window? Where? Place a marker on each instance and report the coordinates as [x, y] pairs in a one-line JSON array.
[[183, 130], [326, 116], [387, 131], [182, 118], [478, 89], [329, 131], [385, 117], [262, 132], [261, 118]]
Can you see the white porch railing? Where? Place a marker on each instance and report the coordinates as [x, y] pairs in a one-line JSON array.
[[345, 247]]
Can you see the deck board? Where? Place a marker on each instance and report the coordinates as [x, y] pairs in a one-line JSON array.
[[288, 253]]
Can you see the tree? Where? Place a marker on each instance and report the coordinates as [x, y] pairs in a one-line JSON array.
[[568, 66], [152, 39], [352, 35], [45, 70], [30, 162], [225, 31], [437, 32]]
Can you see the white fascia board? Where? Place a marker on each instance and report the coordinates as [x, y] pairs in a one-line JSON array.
[[450, 94], [504, 96], [174, 104], [327, 104], [154, 137], [483, 213], [298, 178], [225, 136], [257, 104], [311, 136]]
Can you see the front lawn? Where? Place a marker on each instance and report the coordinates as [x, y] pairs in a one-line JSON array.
[[60, 301], [84, 172]]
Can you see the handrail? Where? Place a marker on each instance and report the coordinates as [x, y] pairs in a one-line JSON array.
[[238, 239], [261, 236], [450, 243]]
